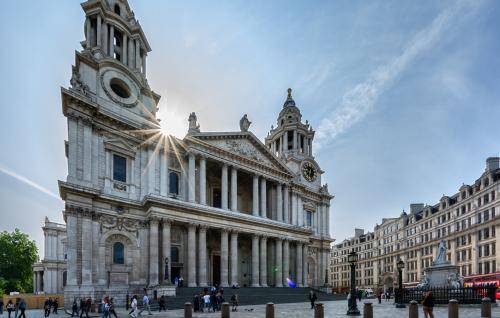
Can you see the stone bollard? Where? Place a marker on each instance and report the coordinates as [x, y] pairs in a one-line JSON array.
[[413, 311], [368, 310], [224, 313], [485, 308], [453, 308], [319, 311], [188, 310], [269, 310]]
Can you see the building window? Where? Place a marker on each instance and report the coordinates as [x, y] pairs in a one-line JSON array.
[[309, 218], [119, 168], [174, 254], [118, 253], [65, 278], [173, 182]]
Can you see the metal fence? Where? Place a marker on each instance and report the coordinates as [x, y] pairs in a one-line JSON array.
[[442, 295]]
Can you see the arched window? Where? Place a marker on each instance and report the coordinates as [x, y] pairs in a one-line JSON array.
[[117, 9], [118, 253], [173, 182], [174, 254]]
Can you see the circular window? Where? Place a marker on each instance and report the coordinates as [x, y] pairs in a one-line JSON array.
[[119, 87]]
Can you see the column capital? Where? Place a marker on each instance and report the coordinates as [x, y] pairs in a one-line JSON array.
[[202, 227], [166, 221], [224, 230], [234, 231], [154, 220]]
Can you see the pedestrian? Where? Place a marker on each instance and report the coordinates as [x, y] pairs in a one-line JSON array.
[[181, 282], [112, 308], [360, 295], [74, 308], [206, 300], [16, 307], [196, 302], [22, 308], [162, 305], [133, 305], [234, 302], [46, 307], [55, 305], [1, 307], [312, 298], [10, 307], [85, 307], [145, 305], [428, 304], [105, 307], [379, 296]]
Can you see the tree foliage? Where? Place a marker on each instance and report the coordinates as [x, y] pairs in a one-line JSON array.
[[17, 255]]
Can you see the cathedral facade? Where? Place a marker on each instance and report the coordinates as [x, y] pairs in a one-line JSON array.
[[143, 208]]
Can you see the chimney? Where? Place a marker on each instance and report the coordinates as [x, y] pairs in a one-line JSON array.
[[416, 207], [492, 163], [358, 232]]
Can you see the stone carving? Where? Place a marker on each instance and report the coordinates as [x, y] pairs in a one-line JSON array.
[[441, 256], [424, 281], [77, 83], [119, 223], [324, 189], [455, 280], [193, 123], [245, 150], [244, 123]]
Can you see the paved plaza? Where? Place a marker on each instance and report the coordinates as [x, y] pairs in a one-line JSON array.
[[295, 310]]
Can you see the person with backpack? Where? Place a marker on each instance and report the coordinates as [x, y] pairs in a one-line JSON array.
[[133, 305], [74, 308], [312, 298], [55, 306], [22, 308], [46, 307], [234, 302], [10, 307], [145, 305], [428, 304], [112, 308]]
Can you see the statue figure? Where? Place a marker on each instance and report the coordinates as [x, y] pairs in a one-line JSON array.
[[441, 256], [244, 123], [77, 83], [424, 281], [193, 125]]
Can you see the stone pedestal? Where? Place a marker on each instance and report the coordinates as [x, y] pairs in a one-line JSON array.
[[438, 275]]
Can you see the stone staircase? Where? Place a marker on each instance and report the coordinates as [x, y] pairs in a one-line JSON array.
[[251, 296]]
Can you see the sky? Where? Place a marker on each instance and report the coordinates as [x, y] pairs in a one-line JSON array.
[[403, 95]]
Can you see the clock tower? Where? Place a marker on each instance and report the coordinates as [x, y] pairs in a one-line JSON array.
[[292, 141]]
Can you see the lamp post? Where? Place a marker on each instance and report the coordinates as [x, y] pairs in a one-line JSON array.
[[399, 302], [352, 258]]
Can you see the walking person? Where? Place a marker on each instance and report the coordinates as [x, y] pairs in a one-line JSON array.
[[312, 298], [133, 305], [22, 308], [428, 304], [213, 302], [55, 306], [379, 297], [206, 299], [112, 308], [16, 307], [74, 308], [1, 307], [163, 303], [105, 307], [10, 307], [145, 305], [46, 307], [234, 302]]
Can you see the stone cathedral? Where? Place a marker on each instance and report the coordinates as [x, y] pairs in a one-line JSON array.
[[143, 208]]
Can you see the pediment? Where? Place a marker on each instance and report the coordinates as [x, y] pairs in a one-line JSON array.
[[243, 144], [120, 145]]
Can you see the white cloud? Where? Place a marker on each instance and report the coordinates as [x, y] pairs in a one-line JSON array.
[[360, 100]]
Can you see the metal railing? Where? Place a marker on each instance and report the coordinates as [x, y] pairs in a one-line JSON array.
[[442, 295]]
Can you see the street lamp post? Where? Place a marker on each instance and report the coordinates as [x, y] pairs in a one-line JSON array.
[[352, 258], [399, 303]]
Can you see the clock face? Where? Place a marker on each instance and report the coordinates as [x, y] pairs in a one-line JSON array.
[[309, 171]]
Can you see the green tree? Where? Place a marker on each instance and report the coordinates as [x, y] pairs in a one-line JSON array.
[[17, 255]]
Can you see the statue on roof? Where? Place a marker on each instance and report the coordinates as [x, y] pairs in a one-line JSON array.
[[193, 123], [244, 123]]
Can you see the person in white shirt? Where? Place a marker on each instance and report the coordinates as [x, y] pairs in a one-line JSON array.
[[133, 313], [206, 299]]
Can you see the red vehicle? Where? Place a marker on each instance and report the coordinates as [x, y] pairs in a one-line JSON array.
[[484, 279]]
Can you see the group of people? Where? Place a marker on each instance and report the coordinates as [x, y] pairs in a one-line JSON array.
[[18, 308], [50, 304], [84, 308], [211, 300]]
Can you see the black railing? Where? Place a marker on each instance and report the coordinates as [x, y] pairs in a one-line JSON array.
[[442, 295]]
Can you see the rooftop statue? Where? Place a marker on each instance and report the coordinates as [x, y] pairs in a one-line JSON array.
[[244, 123]]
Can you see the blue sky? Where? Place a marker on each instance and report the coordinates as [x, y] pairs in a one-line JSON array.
[[404, 95]]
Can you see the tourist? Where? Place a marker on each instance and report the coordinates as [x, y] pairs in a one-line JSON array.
[[145, 305], [82, 306], [10, 307], [16, 307], [234, 302], [162, 303], [196, 302], [22, 308], [312, 298], [206, 300], [74, 308], [428, 304], [1, 307], [379, 296], [55, 305], [112, 308], [133, 305], [181, 282], [46, 307], [86, 307], [213, 302], [176, 281], [360, 295]]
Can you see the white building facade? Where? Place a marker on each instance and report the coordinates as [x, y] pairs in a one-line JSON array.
[[468, 222], [142, 208]]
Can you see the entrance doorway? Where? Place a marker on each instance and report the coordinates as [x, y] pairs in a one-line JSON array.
[[175, 273], [216, 270]]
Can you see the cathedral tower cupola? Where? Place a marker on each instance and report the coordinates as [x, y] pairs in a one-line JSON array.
[[111, 31], [291, 137]]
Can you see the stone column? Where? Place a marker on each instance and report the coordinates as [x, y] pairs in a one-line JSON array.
[[137, 54], [255, 196], [104, 35], [255, 261], [263, 261], [294, 208], [202, 256], [300, 211], [166, 250], [124, 49], [304, 265], [191, 255], [298, 264], [86, 250], [131, 57], [286, 204], [294, 140], [279, 263], [151, 170], [234, 189], [98, 31], [474, 255], [263, 200], [327, 225], [87, 33], [191, 178], [153, 252], [224, 187], [203, 181], [234, 258], [164, 173], [224, 253], [279, 202], [286, 262], [453, 252], [282, 144], [144, 64], [111, 41]]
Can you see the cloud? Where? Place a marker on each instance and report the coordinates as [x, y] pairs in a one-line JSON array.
[[358, 101], [28, 182]]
